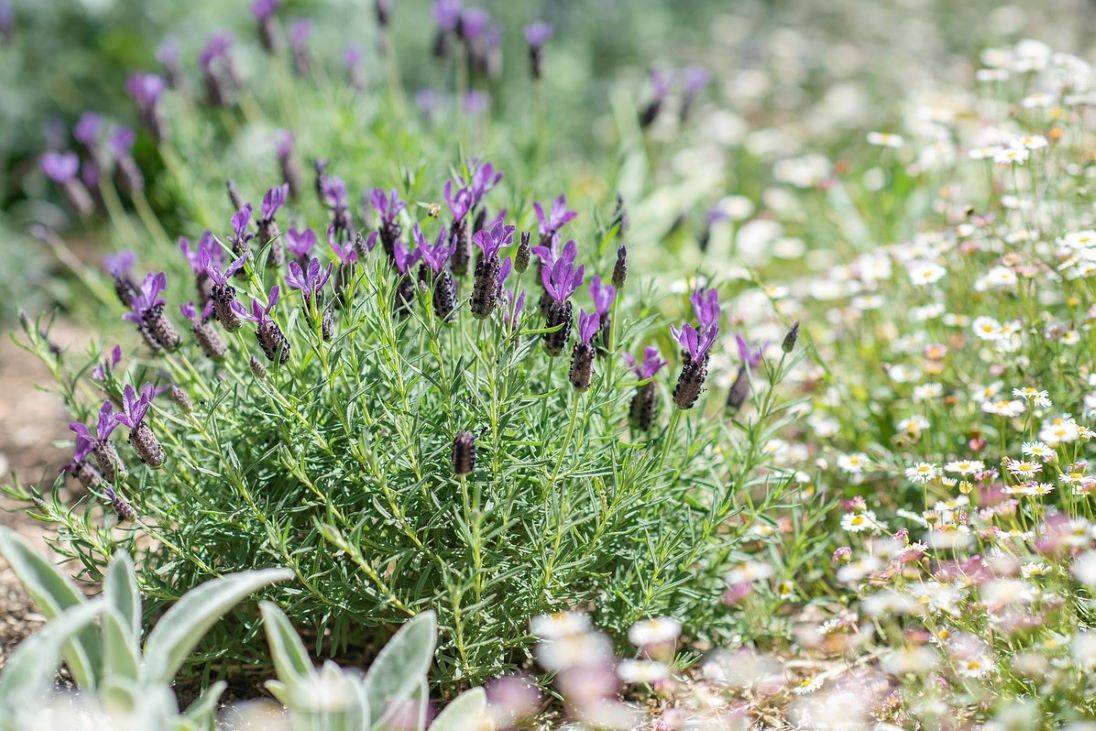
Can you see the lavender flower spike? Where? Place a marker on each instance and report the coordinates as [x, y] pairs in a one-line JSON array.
[[696, 346], [264, 11], [208, 339], [208, 253], [652, 362], [300, 243], [104, 368], [106, 456], [135, 409], [706, 307], [241, 221], [751, 359], [536, 35], [146, 91], [148, 313], [551, 223], [488, 281], [388, 207], [309, 280], [61, 168], [644, 407], [435, 257], [270, 336], [405, 288], [223, 294], [120, 268], [269, 234], [582, 357], [603, 295], [561, 278]]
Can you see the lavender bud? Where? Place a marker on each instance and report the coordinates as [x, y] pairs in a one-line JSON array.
[[110, 464], [644, 408], [620, 269], [485, 287], [444, 295], [558, 314], [257, 369], [690, 383], [383, 10], [269, 234], [223, 297], [272, 341], [789, 340], [327, 324], [291, 175], [740, 389], [521, 258], [464, 454], [650, 113], [147, 446], [126, 290], [150, 341], [461, 239], [620, 216], [87, 475], [180, 397], [234, 195], [582, 366], [122, 508], [213, 346], [132, 179], [160, 328], [320, 167], [405, 295]]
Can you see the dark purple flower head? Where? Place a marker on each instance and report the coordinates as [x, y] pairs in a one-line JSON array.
[[60, 167], [134, 407], [299, 33], [272, 201], [706, 307], [100, 371], [496, 235], [241, 220], [264, 9], [588, 324], [660, 82], [208, 252], [557, 219], [484, 179], [310, 280], [751, 357], [334, 191], [217, 47], [694, 79], [260, 314], [404, 259], [387, 206], [120, 265], [87, 129], [300, 243], [437, 255], [460, 202], [146, 90], [149, 296], [538, 33], [652, 362], [473, 22], [561, 279], [447, 14], [220, 277], [696, 344], [602, 295], [348, 254], [121, 141]]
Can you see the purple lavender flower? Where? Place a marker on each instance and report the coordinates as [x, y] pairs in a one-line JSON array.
[[693, 80], [602, 295], [496, 235], [751, 357], [270, 336], [60, 167], [652, 362], [269, 235], [490, 273], [561, 278], [218, 69], [473, 22], [484, 179], [405, 259], [300, 243], [309, 280], [241, 221], [120, 268], [696, 347], [536, 35], [695, 344], [334, 193], [388, 207], [706, 307], [299, 33], [134, 410], [104, 367], [106, 456], [223, 295], [660, 88], [264, 12], [273, 200], [147, 311], [588, 325], [352, 64], [169, 55], [208, 253], [291, 172], [211, 343], [121, 141], [263, 9], [460, 203], [582, 357], [434, 256], [87, 130], [447, 14], [146, 91], [348, 254], [558, 218]]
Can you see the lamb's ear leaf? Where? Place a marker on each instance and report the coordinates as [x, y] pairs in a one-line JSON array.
[[291, 661], [202, 713], [466, 712], [184, 625], [53, 593], [120, 651], [120, 591], [400, 668], [30, 670]]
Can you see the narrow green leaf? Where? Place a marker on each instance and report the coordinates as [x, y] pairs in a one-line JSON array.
[[466, 713], [291, 661], [120, 591], [120, 650], [401, 666], [30, 670], [184, 624], [53, 593]]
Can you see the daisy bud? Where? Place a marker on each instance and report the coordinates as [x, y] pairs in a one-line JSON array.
[[257, 368], [644, 408], [521, 258], [620, 269], [147, 446], [740, 389], [464, 454], [789, 340], [179, 396], [122, 508]]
